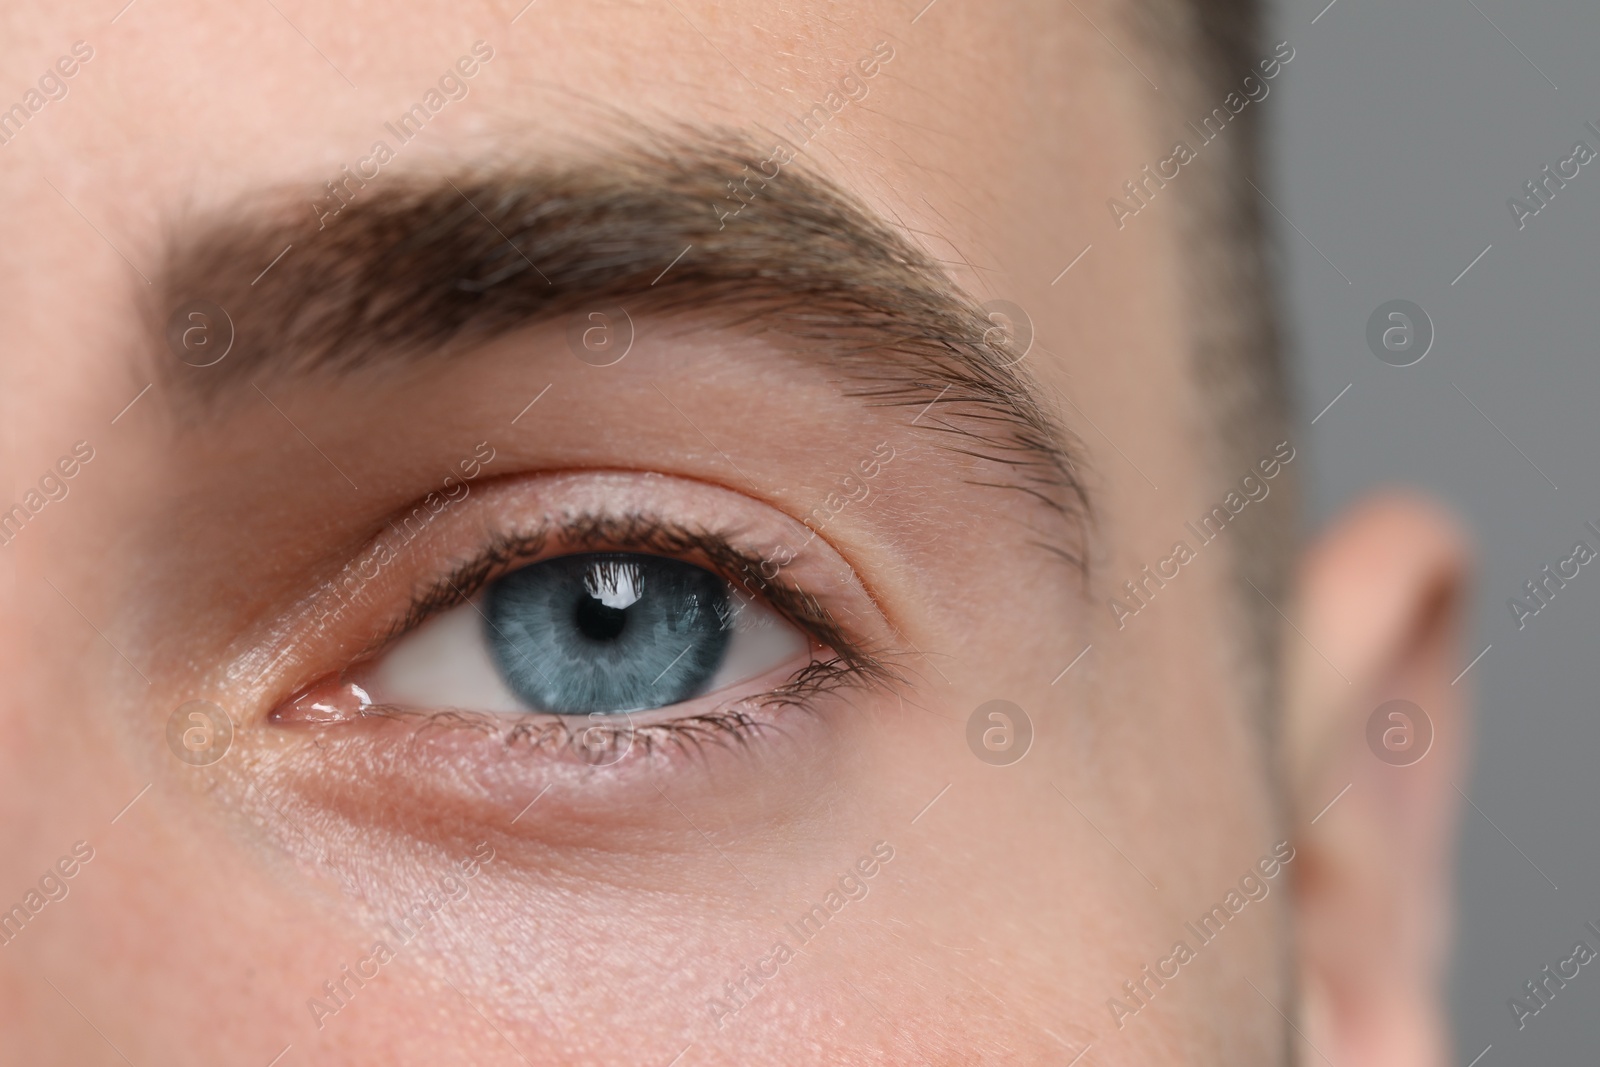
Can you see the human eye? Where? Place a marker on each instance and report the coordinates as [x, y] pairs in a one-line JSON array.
[[578, 632], [597, 633]]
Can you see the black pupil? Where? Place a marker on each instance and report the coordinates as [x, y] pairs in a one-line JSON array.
[[599, 622]]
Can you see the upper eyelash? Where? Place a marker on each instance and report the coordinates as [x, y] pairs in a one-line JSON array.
[[646, 533]]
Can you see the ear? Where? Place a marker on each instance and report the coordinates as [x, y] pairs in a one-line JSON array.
[[1373, 786]]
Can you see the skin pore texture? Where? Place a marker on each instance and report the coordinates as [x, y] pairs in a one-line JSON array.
[[506, 895]]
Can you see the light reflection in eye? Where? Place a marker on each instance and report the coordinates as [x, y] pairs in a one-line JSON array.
[[593, 633]]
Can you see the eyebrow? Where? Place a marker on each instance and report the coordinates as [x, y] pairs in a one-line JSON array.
[[368, 271]]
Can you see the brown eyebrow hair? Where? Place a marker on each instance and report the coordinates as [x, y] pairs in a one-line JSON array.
[[427, 266]]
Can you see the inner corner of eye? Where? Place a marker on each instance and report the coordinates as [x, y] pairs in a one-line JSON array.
[[584, 634]]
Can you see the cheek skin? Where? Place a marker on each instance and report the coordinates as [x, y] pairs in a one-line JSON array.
[[667, 883]]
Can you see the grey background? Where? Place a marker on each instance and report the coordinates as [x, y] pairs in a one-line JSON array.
[[1399, 132]]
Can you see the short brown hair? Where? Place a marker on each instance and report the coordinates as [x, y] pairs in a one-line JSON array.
[[1207, 47]]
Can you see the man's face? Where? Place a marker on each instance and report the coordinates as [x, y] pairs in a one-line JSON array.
[[292, 408]]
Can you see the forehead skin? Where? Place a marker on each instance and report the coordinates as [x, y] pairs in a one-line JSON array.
[[1015, 906]]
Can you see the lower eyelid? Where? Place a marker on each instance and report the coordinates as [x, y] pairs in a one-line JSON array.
[[743, 710], [435, 775]]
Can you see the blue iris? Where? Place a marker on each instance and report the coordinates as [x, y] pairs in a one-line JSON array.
[[608, 632]]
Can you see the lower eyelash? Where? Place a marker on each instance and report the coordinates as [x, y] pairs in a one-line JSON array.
[[586, 740], [724, 727]]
